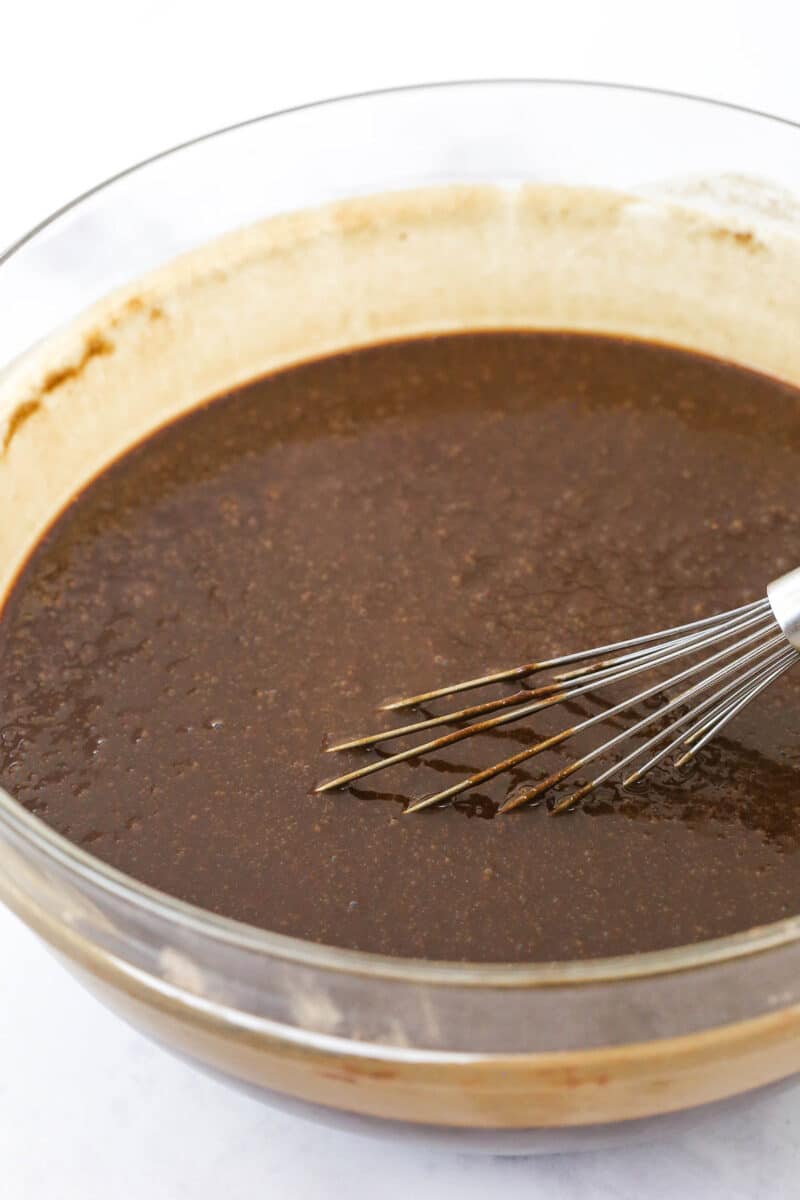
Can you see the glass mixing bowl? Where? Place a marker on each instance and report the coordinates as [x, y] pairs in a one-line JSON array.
[[484, 1057]]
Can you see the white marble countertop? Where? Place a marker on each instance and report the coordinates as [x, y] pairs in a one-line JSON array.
[[88, 1108]]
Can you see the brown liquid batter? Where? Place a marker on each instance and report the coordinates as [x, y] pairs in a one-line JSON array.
[[250, 582]]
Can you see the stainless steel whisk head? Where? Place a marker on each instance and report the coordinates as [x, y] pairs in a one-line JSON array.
[[743, 652]]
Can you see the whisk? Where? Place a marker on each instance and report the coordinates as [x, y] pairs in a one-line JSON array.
[[743, 651]]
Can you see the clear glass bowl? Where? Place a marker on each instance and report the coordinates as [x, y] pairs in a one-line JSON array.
[[501, 1058]]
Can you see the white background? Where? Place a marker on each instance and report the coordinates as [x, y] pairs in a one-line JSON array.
[[88, 1109]]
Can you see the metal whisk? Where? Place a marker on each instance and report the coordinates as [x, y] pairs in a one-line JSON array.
[[749, 648]]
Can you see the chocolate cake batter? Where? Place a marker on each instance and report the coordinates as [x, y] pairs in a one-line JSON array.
[[249, 583]]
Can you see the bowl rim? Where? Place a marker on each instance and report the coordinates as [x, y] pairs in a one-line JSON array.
[[29, 828]]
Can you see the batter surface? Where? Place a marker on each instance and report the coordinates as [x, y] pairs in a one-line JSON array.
[[248, 584]]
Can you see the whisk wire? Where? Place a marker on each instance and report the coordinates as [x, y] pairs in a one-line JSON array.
[[581, 793], [752, 646], [565, 659], [548, 743], [641, 725], [648, 653], [732, 709], [719, 708], [528, 709]]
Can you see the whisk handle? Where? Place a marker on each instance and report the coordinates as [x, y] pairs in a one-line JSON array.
[[784, 596]]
